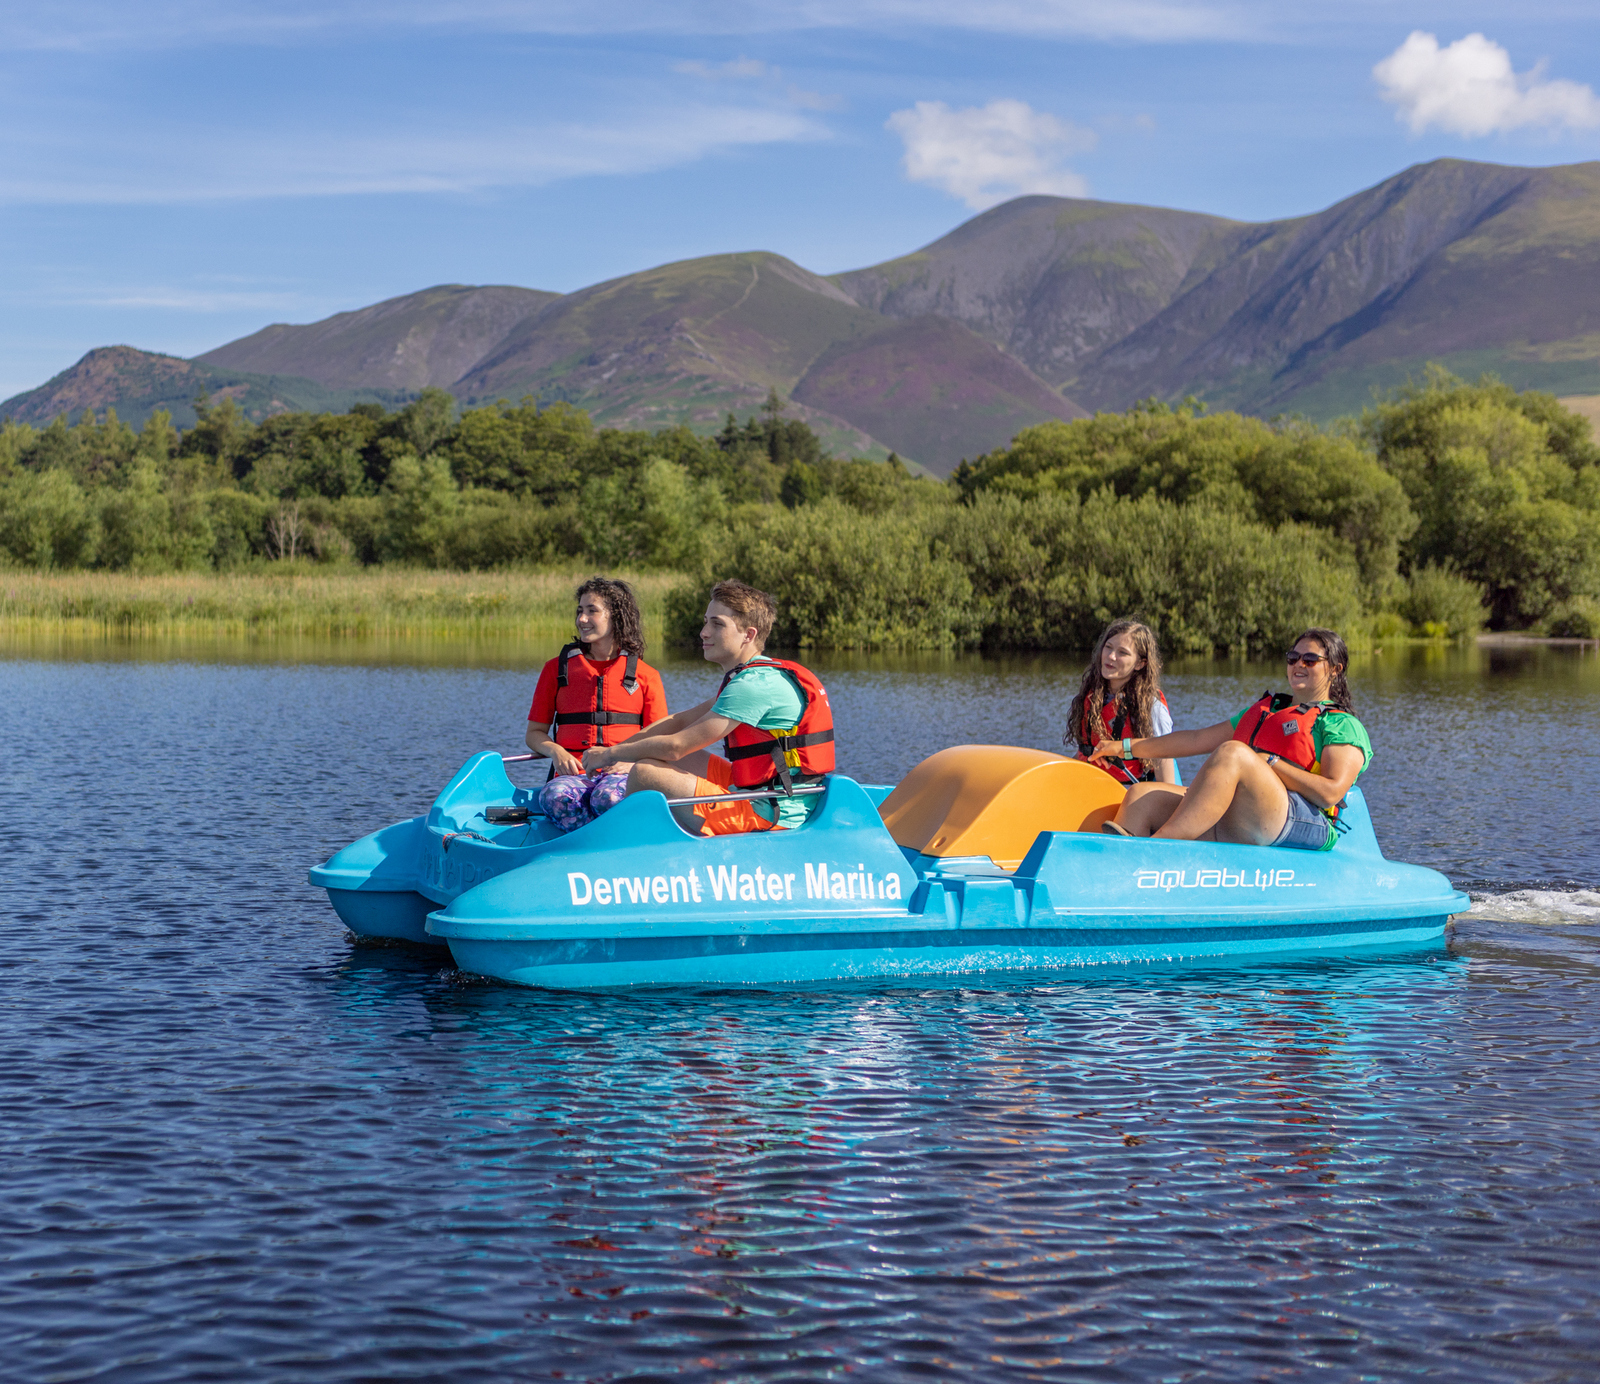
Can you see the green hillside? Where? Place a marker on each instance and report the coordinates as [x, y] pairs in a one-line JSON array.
[[931, 387], [1479, 267], [676, 337], [1052, 279], [1472, 265], [427, 338], [138, 383], [690, 342]]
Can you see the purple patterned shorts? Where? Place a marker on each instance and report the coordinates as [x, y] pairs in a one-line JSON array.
[[572, 800]]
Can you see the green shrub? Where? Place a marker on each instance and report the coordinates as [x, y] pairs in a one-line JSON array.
[[46, 521], [420, 505], [1578, 618], [1505, 486], [146, 529], [655, 516], [1051, 572], [496, 530], [1440, 603], [841, 580], [238, 526]]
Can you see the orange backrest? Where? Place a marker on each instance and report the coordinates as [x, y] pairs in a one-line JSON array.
[[994, 800]]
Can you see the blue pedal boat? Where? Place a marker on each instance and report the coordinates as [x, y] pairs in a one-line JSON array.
[[985, 858]]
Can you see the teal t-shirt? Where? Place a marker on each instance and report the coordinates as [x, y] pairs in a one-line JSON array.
[[1334, 728], [768, 699]]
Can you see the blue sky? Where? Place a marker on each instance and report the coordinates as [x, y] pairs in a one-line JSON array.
[[178, 173]]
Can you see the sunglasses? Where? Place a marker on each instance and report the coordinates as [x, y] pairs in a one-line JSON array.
[[1294, 656]]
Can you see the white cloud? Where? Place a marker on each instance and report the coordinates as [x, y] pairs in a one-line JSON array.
[[91, 24], [719, 71], [753, 69], [1469, 88], [167, 166], [814, 100], [986, 154]]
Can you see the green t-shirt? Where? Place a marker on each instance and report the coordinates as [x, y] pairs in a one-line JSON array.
[[1334, 728], [768, 699]]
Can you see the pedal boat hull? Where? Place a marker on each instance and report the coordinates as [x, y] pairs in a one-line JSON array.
[[631, 899]]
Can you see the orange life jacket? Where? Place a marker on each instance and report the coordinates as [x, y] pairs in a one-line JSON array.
[[594, 707], [803, 751], [1114, 718]]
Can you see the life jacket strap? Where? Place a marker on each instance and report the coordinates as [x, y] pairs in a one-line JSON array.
[[567, 651], [599, 718], [630, 671], [779, 745]]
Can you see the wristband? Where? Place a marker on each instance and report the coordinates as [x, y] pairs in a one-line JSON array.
[[1272, 759], [1127, 747]]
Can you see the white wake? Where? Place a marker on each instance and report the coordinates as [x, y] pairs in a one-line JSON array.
[[1540, 906]]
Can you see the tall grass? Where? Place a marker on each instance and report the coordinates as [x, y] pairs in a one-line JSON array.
[[295, 598]]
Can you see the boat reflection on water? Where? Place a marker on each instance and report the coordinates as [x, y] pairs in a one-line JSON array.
[[1059, 1125]]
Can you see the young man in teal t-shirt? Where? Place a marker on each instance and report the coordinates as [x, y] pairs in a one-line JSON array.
[[673, 757]]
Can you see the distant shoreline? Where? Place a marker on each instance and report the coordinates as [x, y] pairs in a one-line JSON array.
[[390, 603], [1511, 638], [303, 599]]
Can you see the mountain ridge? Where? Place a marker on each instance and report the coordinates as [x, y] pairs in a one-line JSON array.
[[1035, 309]]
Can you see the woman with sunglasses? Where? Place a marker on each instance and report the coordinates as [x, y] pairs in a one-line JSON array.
[[1277, 771]]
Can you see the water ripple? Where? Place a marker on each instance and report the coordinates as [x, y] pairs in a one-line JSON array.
[[240, 1148]]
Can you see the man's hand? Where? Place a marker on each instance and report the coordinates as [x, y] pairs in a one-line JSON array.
[[595, 760]]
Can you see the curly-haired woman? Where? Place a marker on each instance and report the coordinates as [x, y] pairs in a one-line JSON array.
[[597, 691], [1120, 700]]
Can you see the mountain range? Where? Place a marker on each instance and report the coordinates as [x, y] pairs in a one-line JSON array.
[[1041, 307]]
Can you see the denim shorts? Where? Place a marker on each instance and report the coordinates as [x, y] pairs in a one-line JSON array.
[[1307, 828]]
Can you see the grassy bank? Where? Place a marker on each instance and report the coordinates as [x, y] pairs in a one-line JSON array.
[[294, 598]]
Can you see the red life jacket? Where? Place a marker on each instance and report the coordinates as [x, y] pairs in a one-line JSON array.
[[801, 752], [1276, 724], [1115, 719], [595, 708]]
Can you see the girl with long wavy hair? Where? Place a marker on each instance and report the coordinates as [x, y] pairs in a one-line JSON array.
[[1120, 700], [1277, 773]]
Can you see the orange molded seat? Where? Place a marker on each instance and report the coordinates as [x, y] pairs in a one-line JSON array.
[[994, 800]]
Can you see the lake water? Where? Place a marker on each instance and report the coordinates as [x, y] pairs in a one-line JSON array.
[[238, 1146]]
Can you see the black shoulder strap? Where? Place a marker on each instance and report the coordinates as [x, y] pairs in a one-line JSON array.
[[1119, 722], [738, 668], [630, 677], [567, 651]]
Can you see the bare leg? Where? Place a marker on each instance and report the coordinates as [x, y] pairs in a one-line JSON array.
[[678, 779], [1235, 797], [1147, 807], [673, 777]]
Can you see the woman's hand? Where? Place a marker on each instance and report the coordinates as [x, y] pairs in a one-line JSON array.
[[1340, 766], [563, 761], [1110, 749]]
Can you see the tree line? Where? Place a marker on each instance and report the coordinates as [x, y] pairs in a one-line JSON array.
[[1445, 507]]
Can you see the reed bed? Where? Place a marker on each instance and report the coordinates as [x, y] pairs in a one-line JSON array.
[[304, 599]]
